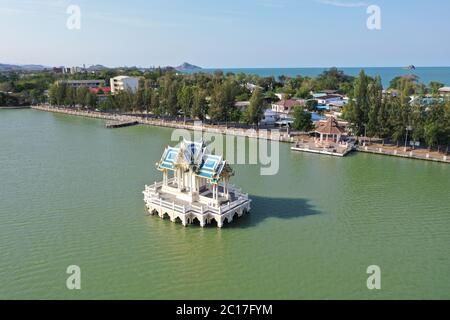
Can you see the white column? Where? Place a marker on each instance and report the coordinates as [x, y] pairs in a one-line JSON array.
[[227, 188]]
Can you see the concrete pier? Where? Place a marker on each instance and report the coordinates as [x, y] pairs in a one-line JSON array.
[[120, 124], [332, 149]]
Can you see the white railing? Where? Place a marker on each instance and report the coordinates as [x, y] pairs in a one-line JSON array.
[[152, 196], [154, 187], [166, 204], [154, 199]]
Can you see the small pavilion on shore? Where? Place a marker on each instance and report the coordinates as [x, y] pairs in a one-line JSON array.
[[330, 131]]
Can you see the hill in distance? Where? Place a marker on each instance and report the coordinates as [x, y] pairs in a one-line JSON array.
[[187, 67], [27, 67]]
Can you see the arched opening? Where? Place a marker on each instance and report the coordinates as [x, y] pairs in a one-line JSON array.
[[213, 223], [166, 216], [195, 221], [178, 220]]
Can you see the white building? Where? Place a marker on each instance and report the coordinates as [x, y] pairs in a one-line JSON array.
[[332, 98], [122, 83], [252, 87], [72, 70], [84, 83], [287, 106], [270, 117], [195, 187], [444, 91]]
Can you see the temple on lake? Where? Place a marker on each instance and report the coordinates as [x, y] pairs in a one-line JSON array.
[[195, 187]]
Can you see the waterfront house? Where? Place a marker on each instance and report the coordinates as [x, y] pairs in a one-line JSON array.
[[287, 106], [196, 186], [323, 93], [327, 99], [445, 91], [270, 117]]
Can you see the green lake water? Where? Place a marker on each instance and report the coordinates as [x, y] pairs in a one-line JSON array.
[[71, 194]]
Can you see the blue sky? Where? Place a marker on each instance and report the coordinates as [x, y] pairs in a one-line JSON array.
[[231, 33]]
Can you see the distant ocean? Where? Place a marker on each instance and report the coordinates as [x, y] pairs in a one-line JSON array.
[[425, 74]]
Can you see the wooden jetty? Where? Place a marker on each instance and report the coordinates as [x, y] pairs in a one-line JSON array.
[[120, 124]]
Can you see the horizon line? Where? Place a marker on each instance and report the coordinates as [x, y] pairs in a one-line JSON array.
[[226, 67]]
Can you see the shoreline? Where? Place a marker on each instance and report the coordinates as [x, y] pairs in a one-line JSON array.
[[218, 129], [249, 133], [14, 108]]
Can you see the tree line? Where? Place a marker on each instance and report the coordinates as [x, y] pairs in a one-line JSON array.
[[190, 97], [164, 92], [392, 115]]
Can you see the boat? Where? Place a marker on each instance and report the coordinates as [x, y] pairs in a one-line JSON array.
[[410, 67]]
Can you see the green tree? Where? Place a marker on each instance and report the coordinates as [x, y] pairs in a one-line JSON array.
[[172, 99], [431, 134], [218, 110], [361, 110], [139, 99], [383, 120], [155, 105], [357, 110], [435, 86], [91, 100], [70, 96], [311, 105], [199, 104], [186, 100], [255, 111], [302, 120], [375, 92], [81, 96]]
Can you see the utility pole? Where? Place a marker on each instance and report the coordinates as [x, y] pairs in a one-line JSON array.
[[406, 138]]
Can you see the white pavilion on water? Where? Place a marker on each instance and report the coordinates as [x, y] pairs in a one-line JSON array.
[[195, 186]]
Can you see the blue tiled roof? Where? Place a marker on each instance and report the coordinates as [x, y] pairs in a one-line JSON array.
[[209, 166], [169, 158]]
